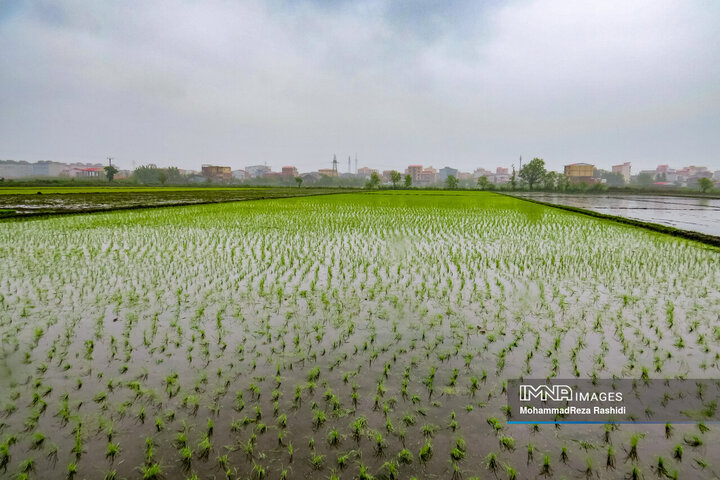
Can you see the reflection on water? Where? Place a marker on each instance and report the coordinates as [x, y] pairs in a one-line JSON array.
[[694, 214]]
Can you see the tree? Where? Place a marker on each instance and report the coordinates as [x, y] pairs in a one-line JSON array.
[[513, 180], [612, 179], [110, 172], [147, 174], [408, 181], [483, 183], [173, 175], [395, 178], [705, 184], [451, 182], [645, 179], [162, 176], [550, 180], [374, 181], [533, 172], [563, 182], [299, 181]]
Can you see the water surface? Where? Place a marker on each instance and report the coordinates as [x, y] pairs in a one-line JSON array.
[[687, 213]]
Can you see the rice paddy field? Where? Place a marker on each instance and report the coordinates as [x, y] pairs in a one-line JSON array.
[[38, 201], [353, 336]]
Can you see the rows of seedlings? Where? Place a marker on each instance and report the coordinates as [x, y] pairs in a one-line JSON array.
[[353, 336]]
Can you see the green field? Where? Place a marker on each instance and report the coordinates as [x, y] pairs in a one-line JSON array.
[[108, 189], [26, 201], [358, 335]]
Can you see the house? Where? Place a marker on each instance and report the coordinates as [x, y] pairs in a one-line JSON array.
[[214, 172], [580, 173]]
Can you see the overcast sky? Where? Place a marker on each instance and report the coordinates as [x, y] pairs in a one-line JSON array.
[[465, 83]]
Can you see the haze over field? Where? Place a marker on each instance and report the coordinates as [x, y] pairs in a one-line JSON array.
[[465, 83]]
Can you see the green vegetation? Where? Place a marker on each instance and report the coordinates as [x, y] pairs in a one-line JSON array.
[[367, 335], [33, 201]]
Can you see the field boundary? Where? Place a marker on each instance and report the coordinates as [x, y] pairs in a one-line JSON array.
[[656, 227]]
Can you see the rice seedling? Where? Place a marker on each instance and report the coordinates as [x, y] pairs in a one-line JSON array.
[[37, 440], [678, 453], [491, 462], [333, 438], [186, 456], [317, 462], [588, 467], [507, 442], [318, 418], [426, 452], [511, 473], [112, 450], [390, 470], [610, 458], [204, 447], [27, 465], [633, 452], [151, 472], [405, 457], [258, 472]]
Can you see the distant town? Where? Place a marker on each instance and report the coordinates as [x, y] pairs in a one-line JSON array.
[[582, 175]]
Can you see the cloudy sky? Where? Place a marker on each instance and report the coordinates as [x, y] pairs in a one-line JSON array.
[[464, 83]]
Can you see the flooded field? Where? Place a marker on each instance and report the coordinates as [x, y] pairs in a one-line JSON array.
[[687, 213], [348, 336]]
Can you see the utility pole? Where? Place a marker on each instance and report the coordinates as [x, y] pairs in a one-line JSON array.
[[110, 159], [349, 167], [334, 164], [356, 163]]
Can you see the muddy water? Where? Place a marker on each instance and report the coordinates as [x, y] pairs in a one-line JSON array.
[[694, 214]]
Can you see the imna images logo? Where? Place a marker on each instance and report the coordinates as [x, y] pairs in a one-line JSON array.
[[554, 393]]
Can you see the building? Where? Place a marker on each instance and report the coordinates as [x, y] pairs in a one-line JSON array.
[[48, 169], [273, 175], [77, 169], [214, 172], [445, 172], [91, 172], [257, 171], [289, 172], [13, 169], [240, 174], [580, 172], [414, 171], [428, 176], [44, 168], [624, 170], [328, 172], [481, 172], [386, 176], [366, 171], [502, 171], [499, 178]]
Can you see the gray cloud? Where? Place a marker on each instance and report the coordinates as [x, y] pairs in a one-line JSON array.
[[459, 83]]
